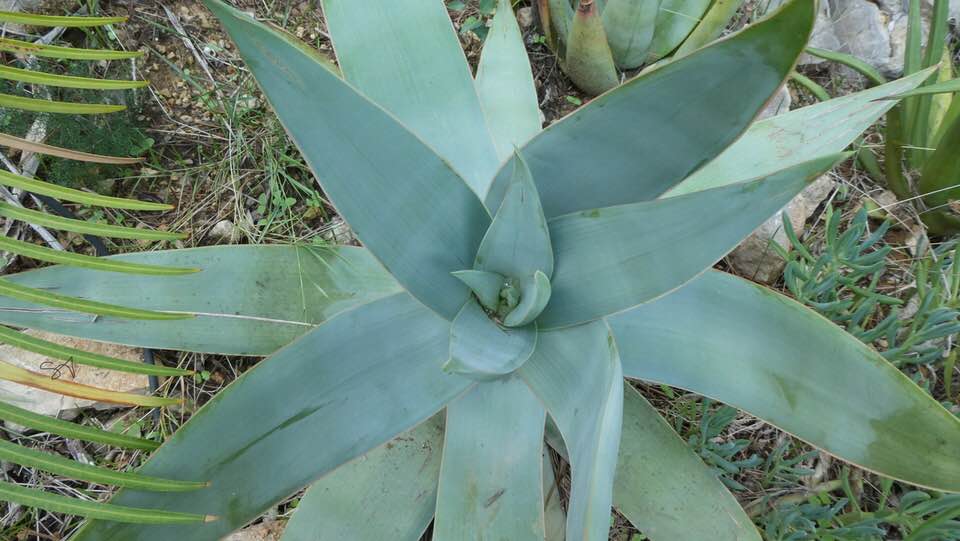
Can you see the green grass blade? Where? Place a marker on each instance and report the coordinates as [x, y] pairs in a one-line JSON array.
[[66, 81], [942, 87], [46, 106], [42, 423], [31, 19], [59, 465], [920, 133], [77, 196], [850, 61], [43, 347], [62, 504], [63, 53], [913, 55], [818, 91], [82, 226], [710, 27], [46, 298], [42, 253]]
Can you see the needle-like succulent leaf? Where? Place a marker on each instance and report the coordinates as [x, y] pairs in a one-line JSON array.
[[43, 423], [411, 206], [389, 493], [56, 351], [47, 106], [490, 478], [43, 297], [40, 148], [485, 285], [66, 21], [380, 45], [41, 253], [64, 53], [76, 196], [589, 61], [45, 382], [82, 226], [757, 350], [52, 463], [481, 349], [344, 394], [611, 259], [576, 373], [505, 85], [287, 291], [66, 81], [578, 166]]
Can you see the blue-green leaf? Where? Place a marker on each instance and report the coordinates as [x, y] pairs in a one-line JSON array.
[[485, 285], [490, 481], [482, 349]]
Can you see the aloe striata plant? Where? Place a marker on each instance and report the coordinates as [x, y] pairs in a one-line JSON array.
[[510, 279]]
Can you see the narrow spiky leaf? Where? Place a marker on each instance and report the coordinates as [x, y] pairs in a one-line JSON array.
[[22, 376], [77, 196], [46, 106], [42, 253], [589, 61], [50, 150], [56, 351], [942, 87], [31, 19], [75, 304], [51, 463], [42, 423], [66, 81], [102, 511], [82, 226], [63, 53]]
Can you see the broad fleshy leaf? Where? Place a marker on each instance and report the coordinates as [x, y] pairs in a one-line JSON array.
[[248, 300], [505, 85], [798, 136], [517, 244], [629, 26], [490, 479], [665, 489], [669, 125], [343, 394], [614, 258], [536, 294], [482, 349], [405, 203], [44, 297], [752, 348], [388, 493], [675, 20], [485, 285], [405, 56], [576, 374]]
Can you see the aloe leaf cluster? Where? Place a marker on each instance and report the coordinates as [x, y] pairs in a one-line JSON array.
[[597, 39], [510, 279]]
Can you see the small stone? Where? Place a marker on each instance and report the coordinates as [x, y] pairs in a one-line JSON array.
[[755, 258], [224, 230], [338, 232], [525, 17]]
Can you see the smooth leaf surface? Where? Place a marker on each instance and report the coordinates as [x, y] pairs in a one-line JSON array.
[[490, 484], [517, 244], [629, 26], [49, 255], [613, 258], [69, 21], [43, 297], [664, 488], [940, 179], [82, 226], [505, 85], [675, 20], [338, 393], [482, 349], [797, 136], [405, 56], [66, 81], [47, 106], [485, 285], [710, 26], [248, 300], [742, 344], [76, 196], [388, 493], [589, 60], [404, 202], [536, 295], [640, 139], [576, 374]]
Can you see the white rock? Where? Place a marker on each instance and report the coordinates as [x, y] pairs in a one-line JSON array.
[[265, 531], [779, 103], [225, 230], [53, 404], [338, 232], [525, 17], [755, 258]]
